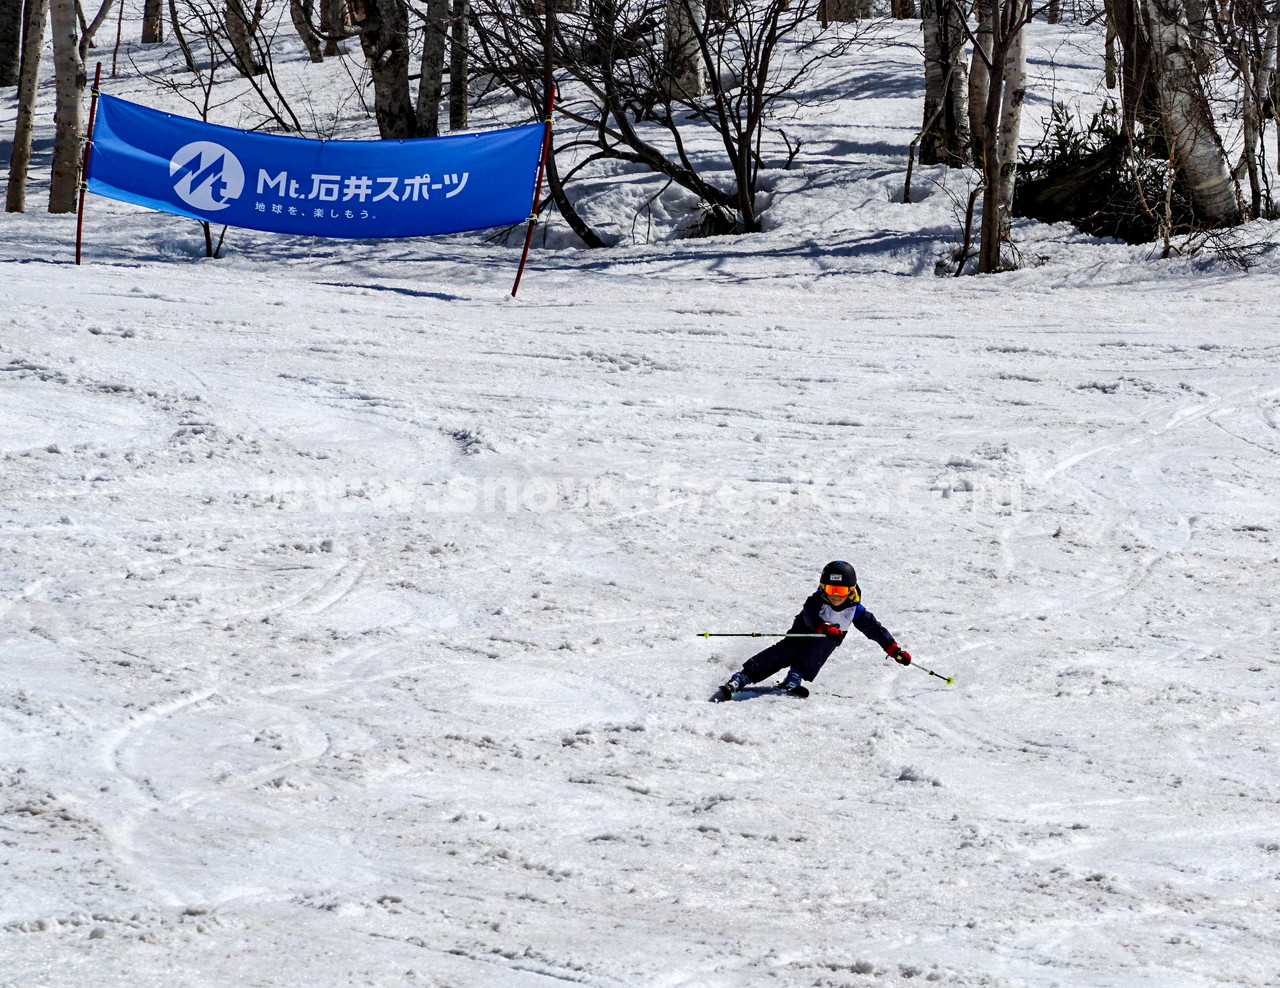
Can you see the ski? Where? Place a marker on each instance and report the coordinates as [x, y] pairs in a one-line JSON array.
[[724, 694]]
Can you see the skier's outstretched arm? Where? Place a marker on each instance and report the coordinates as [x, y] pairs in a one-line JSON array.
[[866, 623]]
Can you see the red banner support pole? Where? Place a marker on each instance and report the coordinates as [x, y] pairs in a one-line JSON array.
[[84, 165], [549, 87], [537, 193]]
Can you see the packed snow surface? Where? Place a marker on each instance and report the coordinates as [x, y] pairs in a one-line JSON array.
[[351, 608]]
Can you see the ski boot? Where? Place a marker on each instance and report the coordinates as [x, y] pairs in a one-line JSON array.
[[792, 686], [731, 686]]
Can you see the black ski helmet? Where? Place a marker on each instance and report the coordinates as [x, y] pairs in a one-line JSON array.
[[840, 573]]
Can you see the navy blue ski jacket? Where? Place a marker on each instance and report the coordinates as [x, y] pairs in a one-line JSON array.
[[808, 655], [817, 611]]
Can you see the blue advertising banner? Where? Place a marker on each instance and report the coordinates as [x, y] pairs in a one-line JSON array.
[[319, 188]]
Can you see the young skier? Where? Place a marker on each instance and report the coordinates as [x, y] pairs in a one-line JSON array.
[[830, 611]]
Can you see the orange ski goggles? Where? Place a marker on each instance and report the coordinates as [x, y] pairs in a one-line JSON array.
[[836, 590]]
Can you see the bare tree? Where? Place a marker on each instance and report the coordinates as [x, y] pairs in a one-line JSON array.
[[1247, 36], [68, 116], [302, 12], [241, 26], [383, 29], [1138, 95], [1006, 88], [460, 65], [616, 104], [202, 28], [153, 22], [980, 75], [1018, 14], [24, 128], [945, 137], [684, 75], [431, 77], [1195, 146], [1266, 80], [89, 29], [845, 10], [335, 23], [180, 36], [10, 41]]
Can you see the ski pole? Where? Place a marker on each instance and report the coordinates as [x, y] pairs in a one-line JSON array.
[[755, 634], [946, 679]]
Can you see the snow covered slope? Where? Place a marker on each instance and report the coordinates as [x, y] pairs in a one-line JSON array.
[[349, 608]]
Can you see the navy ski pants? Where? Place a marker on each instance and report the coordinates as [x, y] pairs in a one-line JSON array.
[[806, 655]]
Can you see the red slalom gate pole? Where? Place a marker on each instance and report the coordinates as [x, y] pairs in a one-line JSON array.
[[84, 165], [537, 192]]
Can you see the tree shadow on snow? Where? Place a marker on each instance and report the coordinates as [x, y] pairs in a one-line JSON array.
[[41, 148], [411, 292], [871, 85], [675, 262], [844, 152]]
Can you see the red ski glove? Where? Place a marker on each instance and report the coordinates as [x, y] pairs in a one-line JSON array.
[[898, 655], [830, 630]]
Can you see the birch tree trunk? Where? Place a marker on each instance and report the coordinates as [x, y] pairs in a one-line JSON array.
[[933, 145], [1109, 53], [10, 41], [1015, 90], [1194, 144], [846, 11], [989, 236], [68, 117], [1251, 125], [301, 13], [1137, 85], [1258, 101], [980, 77], [1270, 49], [20, 156], [384, 35], [686, 75], [240, 34], [431, 78], [334, 23], [958, 86], [459, 66], [946, 118], [1001, 123], [153, 22], [1199, 22]]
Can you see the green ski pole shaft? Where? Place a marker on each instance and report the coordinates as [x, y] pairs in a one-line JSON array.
[[756, 634]]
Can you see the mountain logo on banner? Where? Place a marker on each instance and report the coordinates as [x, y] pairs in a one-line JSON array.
[[206, 175]]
